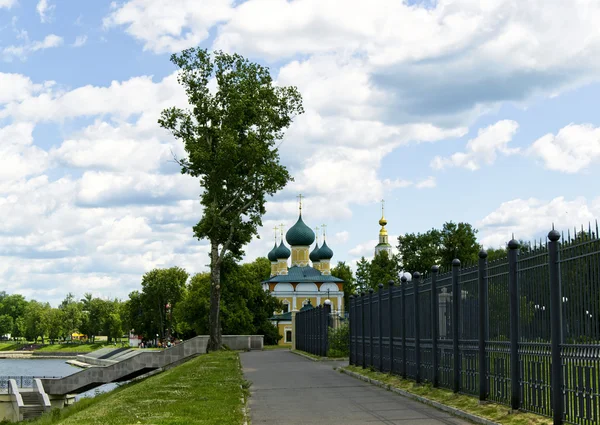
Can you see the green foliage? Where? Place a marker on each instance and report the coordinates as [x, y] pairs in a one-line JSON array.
[[344, 272], [6, 324], [420, 251], [36, 320], [245, 307], [339, 341], [383, 269], [151, 311], [363, 274]]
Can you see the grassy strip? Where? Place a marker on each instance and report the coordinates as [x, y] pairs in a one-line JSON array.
[[206, 390], [491, 411], [278, 347], [317, 358], [74, 348]]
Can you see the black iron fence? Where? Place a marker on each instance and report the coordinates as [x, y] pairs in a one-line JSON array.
[[312, 330], [522, 330]]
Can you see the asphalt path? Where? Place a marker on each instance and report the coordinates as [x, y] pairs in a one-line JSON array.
[[289, 389]]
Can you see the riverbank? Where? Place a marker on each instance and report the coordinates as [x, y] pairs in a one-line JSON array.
[[209, 389], [67, 351]]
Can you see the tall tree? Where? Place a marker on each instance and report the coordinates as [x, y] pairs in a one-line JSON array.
[[363, 274], [246, 307], [419, 251], [383, 269], [160, 288], [458, 240], [344, 272], [230, 137], [6, 324]]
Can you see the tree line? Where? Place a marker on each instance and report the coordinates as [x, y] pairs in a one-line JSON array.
[[417, 252], [169, 304]]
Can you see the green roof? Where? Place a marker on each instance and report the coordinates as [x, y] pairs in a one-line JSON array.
[[282, 317], [298, 274], [300, 234], [383, 244]]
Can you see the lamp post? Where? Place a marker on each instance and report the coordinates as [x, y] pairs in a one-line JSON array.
[[168, 307]]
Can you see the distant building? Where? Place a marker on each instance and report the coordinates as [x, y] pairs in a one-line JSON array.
[[307, 282], [383, 245]]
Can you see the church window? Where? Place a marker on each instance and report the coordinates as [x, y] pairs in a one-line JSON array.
[[288, 336], [286, 306]]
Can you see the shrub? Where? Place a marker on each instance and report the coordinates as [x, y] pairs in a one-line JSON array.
[[339, 341]]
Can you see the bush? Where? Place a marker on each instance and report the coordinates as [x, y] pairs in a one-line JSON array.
[[339, 341]]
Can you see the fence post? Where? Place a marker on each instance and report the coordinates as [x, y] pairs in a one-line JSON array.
[[371, 326], [326, 320], [416, 279], [513, 293], [455, 325], [434, 323], [483, 323], [403, 281], [391, 323], [380, 324], [556, 327], [362, 313], [352, 335]]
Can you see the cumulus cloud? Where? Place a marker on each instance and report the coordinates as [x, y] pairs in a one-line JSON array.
[[532, 218], [163, 29], [44, 9], [483, 149], [7, 3], [573, 149], [28, 47]]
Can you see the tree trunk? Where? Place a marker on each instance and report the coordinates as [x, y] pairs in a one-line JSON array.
[[214, 322]]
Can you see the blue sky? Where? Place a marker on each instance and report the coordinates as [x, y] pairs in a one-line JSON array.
[[462, 110]]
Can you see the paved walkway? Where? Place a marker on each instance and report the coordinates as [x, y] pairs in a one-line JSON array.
[[289, 389]]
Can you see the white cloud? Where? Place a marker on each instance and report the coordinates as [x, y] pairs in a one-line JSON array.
[[44, 9], [483, 149], [18, 158], [119, 148], [7, 3], [23, 50], [171, 28], [573, 149], [532, 218], [427, 183], [80, 40]]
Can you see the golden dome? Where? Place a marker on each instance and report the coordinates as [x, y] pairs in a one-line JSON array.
[[382, 221], [383, 232]]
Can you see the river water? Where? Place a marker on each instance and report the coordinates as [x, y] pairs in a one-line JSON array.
[[46, 367]]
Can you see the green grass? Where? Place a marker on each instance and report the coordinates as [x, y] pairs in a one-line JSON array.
[[278, 347], [8, 346], [205, 390], [74, 348], [491, 411]]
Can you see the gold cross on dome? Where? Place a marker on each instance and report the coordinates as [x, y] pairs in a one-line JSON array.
[[275, 231], [324, 227], [317, 233], [382, 206], [300, 201], [281, 228]]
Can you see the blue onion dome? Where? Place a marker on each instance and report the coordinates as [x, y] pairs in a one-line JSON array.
[[282, 252], [314, 255], [271, 256], [300, 234], [325, 253]]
